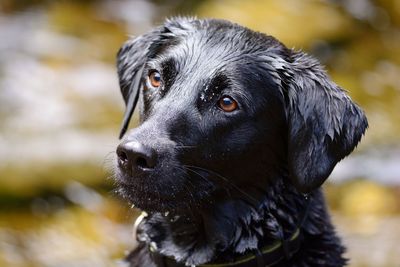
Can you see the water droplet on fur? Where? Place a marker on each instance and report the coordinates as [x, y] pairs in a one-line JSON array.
[[166, 213], [153, 246], [132, 206], [174, 219]]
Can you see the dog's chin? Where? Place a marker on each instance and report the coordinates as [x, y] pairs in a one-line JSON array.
[[156, 201]]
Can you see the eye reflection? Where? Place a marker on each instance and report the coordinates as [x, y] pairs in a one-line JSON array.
[[154, 79], [227, 104]]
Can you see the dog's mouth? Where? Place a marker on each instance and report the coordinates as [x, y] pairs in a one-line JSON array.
[[165, 191], [179, 191], [147, 199]]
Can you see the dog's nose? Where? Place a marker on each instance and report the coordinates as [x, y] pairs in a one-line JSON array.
[[134, 155]]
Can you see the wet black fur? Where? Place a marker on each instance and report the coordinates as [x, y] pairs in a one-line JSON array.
[[228, 183]]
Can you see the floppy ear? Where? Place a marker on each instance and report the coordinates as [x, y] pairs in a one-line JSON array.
[[324, 124], [133, 55], [131, 59]]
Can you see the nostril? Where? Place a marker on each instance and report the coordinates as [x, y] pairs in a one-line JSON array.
[[122, 157], [142, 163], [146, 160], [134, 155]]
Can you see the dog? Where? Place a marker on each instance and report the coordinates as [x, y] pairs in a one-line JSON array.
[[236, 135]]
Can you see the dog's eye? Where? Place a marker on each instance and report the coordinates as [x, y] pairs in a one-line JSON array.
[[154, 79], [227, 104]]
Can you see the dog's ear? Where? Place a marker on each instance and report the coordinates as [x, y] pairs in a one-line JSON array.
[[324, 124], [133, 55], [131, 59]]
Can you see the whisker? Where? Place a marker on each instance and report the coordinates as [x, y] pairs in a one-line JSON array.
[[108, 161], [229, 183], [191, 185], [186, 167], [179, 147], [182, 168], [191, 196], [186, 175]]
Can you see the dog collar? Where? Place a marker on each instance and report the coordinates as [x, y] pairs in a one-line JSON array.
[[267, 256]]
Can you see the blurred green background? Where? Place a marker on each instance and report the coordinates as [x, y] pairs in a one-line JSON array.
[[60, 112]]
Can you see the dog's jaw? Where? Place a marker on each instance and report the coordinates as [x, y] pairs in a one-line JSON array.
[[234, 228]]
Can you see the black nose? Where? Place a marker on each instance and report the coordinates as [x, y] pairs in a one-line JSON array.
[[134, 155]]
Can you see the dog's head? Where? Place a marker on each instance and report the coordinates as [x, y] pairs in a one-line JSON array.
[[226, 110]]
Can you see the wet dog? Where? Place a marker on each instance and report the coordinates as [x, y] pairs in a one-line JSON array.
[[236, 135]]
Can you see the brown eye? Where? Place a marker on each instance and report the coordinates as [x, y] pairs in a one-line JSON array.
[[227, 104], [154, 79]]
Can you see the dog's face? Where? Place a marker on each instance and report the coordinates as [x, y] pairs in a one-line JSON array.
[[223, 112]]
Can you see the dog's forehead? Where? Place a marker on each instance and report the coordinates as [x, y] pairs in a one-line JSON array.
[[195, 52], [213, 48], [200, 55], [219, 46]]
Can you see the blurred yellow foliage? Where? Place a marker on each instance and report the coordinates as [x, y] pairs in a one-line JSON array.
[[362, 206], [70, 237], [293, 22], [79, 19], [364, 198]]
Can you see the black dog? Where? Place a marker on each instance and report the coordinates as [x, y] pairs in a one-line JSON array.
[[237, 133]]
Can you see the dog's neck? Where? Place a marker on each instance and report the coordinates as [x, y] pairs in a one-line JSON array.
[[233, 227]]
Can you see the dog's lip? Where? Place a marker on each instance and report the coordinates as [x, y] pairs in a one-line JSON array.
[[127, 179], [145, 193], [156, 195]]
